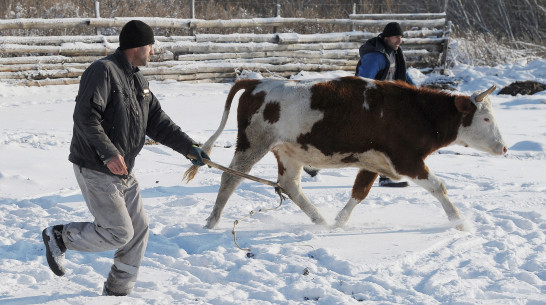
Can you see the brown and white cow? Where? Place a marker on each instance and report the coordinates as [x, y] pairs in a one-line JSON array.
[[379, 127]]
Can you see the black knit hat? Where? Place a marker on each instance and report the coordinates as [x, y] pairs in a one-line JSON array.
[[392, 29], [134, 34]]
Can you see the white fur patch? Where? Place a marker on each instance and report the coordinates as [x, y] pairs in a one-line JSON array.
[[296, 116], [371, 160], [370, 84], [483, 134], [365, 104]]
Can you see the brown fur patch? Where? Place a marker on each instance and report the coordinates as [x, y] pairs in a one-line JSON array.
[[248, 106], [280, 165], [465, 106], [350, 159], [272, 112], [404, 122], [363, 183]]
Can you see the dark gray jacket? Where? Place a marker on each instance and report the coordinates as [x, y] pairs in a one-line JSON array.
[[114, 111]]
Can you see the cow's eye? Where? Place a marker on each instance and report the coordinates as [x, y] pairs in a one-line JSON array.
[[486, 119]]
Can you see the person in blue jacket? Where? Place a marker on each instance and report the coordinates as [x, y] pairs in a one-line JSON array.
[[382, 58]]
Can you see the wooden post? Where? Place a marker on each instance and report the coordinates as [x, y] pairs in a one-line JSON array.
[[277, 14], [97, 15], [443, 63], [445, 6], [192, 14], [354, 12]]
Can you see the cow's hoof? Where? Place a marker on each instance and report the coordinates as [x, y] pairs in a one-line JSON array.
[[210, 225], [320, 222], [339, 223], [460, 224]]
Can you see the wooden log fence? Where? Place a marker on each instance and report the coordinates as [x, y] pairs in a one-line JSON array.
[[41, 60]]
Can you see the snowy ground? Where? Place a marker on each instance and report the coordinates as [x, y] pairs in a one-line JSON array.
[[398, 247]]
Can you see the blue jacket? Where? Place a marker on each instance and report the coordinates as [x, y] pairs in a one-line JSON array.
[[374, 62]]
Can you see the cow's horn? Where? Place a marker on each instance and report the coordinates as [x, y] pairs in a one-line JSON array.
[[482, 95]]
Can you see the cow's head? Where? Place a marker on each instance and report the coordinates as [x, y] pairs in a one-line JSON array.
[[479, 129]]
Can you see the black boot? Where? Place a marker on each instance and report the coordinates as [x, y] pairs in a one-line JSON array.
[[108, 292], [387, 182], [55, 249], [311, 170]]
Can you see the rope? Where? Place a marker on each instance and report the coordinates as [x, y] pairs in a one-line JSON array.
[[278, 190], [240, 174], [236, 222]]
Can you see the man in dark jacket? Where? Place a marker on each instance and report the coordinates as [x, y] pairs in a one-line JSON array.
[[382, 58], [114, 112]]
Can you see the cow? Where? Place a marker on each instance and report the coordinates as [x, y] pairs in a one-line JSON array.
[[380, 127]]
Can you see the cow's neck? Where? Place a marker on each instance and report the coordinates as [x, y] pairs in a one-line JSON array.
[[442, 116]]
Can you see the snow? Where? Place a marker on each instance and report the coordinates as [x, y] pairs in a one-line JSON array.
[[397, 248]]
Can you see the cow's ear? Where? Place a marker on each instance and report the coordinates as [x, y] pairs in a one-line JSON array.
[[463, 104]]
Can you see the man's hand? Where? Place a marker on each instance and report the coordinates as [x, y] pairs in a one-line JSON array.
[[117, 165], [197, 155]]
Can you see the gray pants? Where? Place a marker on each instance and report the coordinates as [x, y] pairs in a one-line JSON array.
[[120, 223]]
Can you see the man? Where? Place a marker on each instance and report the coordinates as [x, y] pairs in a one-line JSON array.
[[114, 112], [382, 58]]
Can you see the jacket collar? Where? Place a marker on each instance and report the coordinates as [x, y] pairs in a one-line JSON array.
[[126, 66]]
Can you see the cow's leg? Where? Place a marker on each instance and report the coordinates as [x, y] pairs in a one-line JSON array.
[[363, 183], [437, 188], [243, 162], [290, 180]]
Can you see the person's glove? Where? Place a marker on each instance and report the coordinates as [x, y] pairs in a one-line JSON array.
[[199, 154]]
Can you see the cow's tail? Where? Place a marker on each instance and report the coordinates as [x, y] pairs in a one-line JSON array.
[[207, 147]]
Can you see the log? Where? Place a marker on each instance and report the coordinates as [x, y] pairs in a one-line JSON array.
[[57, 40], [292, 38], [332, 54], [41, 74], [423, 33], [229, 67], [193, 76], [218, 56], [41, 67], [398, 16], [38, 23], [271, 38], [154, 22], [278, 21], [47, 82], [46, 59], [423, 41], [286, 60], [211, 47], [68, 50], [60, 23]]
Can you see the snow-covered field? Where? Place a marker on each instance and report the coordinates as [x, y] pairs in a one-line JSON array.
[[397, 248]]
